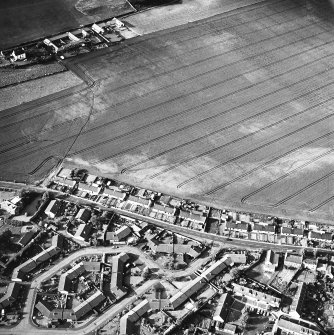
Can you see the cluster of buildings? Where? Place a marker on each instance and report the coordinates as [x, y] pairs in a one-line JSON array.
[[20, 272], [297, 261], [79, 40], [127, 322], [25, 268], [73, 314], [179, 212], [67, 286], [12, 206]]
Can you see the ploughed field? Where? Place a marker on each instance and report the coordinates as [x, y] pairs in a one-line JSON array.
[[236, 109]]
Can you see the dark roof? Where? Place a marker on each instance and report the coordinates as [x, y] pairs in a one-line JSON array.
[[53, 207], [57, 241], [234, 225], [45, 308], [26, 238], [83, 215], [83, 231], [264, 228]]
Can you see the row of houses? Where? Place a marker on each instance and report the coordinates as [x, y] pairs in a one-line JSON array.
[[116, 283], [268, 233], [52, 313], [180, 297], [22, 270]]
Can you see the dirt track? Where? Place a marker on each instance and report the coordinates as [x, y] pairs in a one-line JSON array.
[[235, 109]]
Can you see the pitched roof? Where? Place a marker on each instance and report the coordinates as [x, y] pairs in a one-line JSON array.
[[84, 215], [26, 238], [88, 188], [53, 207], [83, 231]]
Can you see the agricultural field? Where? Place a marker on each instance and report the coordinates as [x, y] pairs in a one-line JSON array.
[[23, 21], [234, 110]]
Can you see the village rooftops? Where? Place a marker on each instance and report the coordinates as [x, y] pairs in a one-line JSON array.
[[83, 215], [293, 260], [64, 173], [224, 304], [163, 209], [114, 194], [298, 299], [320, 236], [57, 241], [295, 328], [83, 231], [119, 234], [127, 321], [264, 228], [116, 284], [26, 238], [88, 188], [65, 182], [192, 217], [138, 200], [11, 295], [256, 295], [66, 278], [237, 226], [87, 305], [52, 208], [292, 231]]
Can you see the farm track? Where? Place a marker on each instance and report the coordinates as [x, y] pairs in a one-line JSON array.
[[231, 50], [226, 128], [307, 187], [219, 187], [323, 203], [39, 166], [124, 73], [169, 117], [230, 103], [311, 161], [76, 68], [205, 119], [253, 150]]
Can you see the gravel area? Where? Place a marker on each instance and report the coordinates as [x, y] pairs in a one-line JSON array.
[[11, 76]]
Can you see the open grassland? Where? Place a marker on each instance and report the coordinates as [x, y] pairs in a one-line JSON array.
[[236, 110]]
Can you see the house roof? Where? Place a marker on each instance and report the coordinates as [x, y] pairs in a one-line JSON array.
[[119, 234], [224, 304], [57, 241], [113, 193], [26, 238], [11, 295], [298, 259], [237, 226], [87, 305], [296, 328], [83, 231], [88, 188], [116, 283], [138, 200], [53, 207], [45, 308], [272, 257], [255, 294], [66, 182], [84, 215], [264, 228], [298, 298]]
